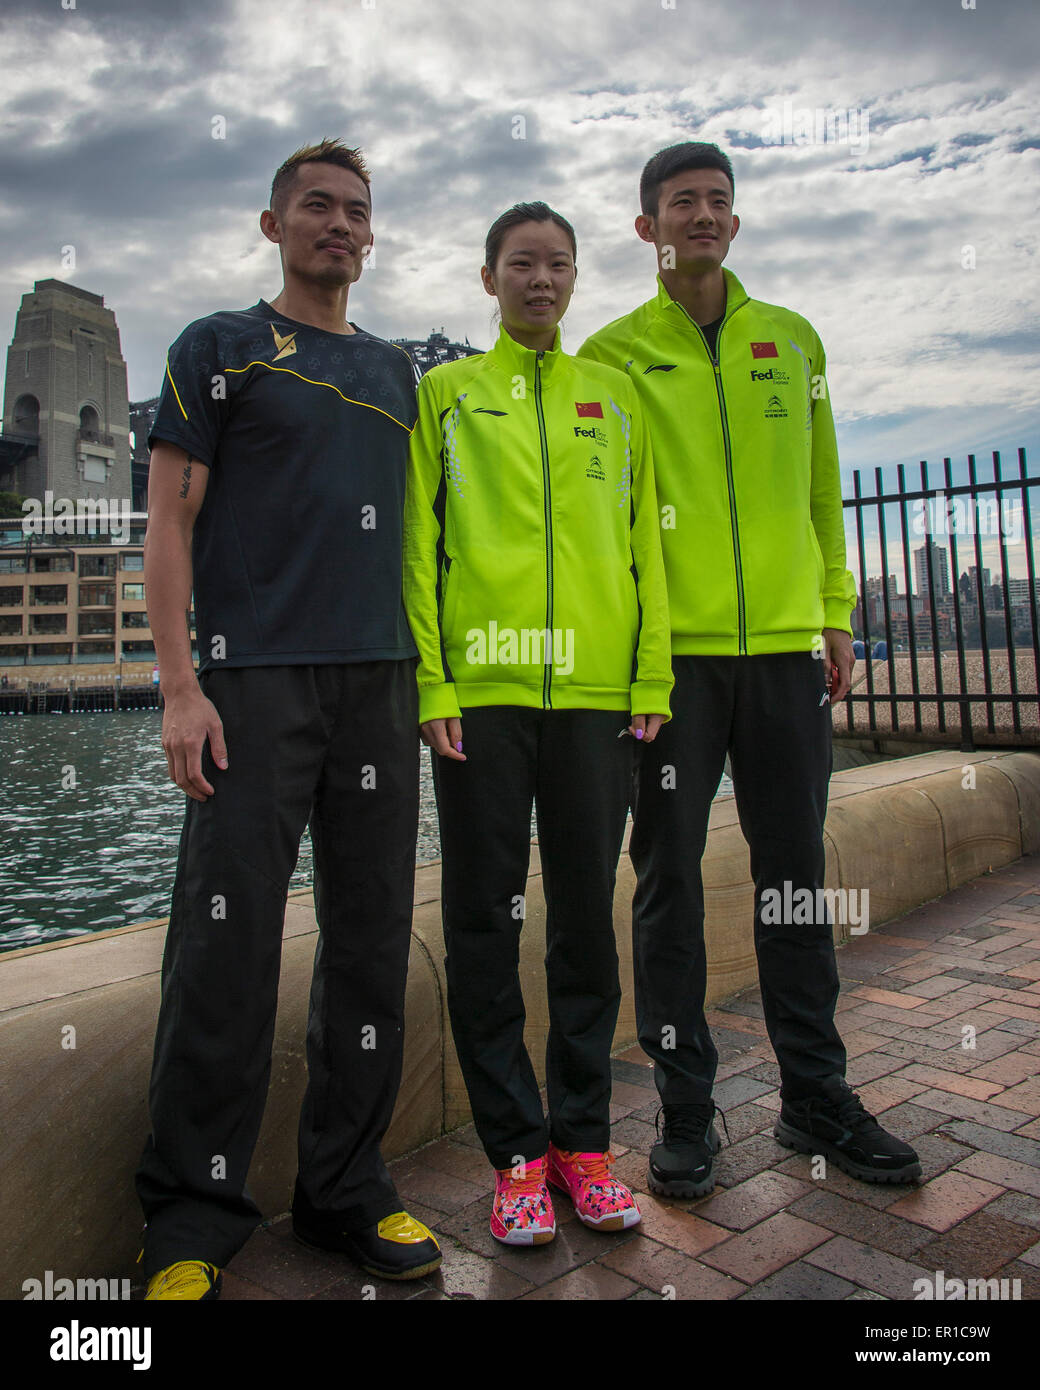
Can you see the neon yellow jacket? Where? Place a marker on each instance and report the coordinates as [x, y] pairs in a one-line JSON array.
[[746, 466], [530, 510]]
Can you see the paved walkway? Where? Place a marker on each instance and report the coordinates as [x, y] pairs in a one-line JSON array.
[[940, 1012]]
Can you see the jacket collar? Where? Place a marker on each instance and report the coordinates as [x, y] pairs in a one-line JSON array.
[[517, 360], [736, 295]]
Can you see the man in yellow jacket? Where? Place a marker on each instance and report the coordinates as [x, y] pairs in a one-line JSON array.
[[751, 520]]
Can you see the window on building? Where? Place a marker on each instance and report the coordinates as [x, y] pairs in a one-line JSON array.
[[10, 626], [45, 653], [139, 651], [48, 623], [131, 619], [134, 592], [52, 564], [48, 594], [15, 654], [97, 595], [93, 566], [27, 412], [95, 469], [131, 560], [11, 596], [95, 651], [12, 564], [95, 623]]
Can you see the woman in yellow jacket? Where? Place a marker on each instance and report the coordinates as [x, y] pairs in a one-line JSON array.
[[534, 586]]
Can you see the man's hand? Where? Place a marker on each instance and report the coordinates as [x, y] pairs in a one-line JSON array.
[[839, 661], [644, 727], [444, 736], [189, 719]]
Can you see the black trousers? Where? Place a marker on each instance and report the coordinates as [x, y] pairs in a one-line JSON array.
[[766, 712], [577, 771], [337, 746]]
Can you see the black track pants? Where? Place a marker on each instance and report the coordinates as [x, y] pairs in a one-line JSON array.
[[766, 711], [577, 771], [337, 746]]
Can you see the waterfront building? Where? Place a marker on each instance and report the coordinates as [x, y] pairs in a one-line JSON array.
[[72, 608], [65, 422]]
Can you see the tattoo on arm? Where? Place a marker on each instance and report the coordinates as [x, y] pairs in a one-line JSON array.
[[186, 477]]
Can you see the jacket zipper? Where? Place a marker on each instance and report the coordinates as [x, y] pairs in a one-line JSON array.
[[547, 502], [734, 528]]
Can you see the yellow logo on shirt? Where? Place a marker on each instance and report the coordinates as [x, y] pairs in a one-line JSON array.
[[286, 346]]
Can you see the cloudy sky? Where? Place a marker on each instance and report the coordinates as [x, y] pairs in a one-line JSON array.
[[910, 240]]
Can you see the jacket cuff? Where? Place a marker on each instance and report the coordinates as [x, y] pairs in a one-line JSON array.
[[438, 702], [651, 697], [836, 614]]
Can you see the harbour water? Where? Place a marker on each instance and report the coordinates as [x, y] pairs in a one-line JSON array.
[[90, 823]]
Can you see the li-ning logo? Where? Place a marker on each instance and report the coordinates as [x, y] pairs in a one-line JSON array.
[[660, 367], [483, 410], [286, 346]]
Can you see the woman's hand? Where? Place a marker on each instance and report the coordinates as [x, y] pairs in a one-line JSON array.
[[644, 727], [444, 736]]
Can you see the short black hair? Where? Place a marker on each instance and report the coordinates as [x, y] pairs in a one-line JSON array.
[[327, 152], [674, 160], [523, 212]]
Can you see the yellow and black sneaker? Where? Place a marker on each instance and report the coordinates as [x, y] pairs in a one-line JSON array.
[[185, 1279], [398, 1247]]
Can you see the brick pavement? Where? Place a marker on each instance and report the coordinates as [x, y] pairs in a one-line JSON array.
[[941, 1014]]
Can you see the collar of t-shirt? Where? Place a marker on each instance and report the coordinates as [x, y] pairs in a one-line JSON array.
[[263, 305], [711, 332]]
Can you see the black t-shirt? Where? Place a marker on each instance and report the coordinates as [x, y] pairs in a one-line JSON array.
[[711, 332], [296, 552]]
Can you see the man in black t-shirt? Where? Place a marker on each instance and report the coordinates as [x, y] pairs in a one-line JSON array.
[[276, 490]]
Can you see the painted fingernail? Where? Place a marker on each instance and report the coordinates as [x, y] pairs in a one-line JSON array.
[[458, 748], [639, 733]]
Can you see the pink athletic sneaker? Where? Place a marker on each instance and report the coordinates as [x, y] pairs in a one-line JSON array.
[[522, 1213], [600, 1200]]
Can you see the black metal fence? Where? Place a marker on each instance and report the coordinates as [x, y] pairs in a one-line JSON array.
[[948, 635]]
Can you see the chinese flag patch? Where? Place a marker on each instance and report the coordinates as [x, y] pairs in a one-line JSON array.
[[764, 350], [590, 409]]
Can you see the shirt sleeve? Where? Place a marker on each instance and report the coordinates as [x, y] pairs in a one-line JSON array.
[[825, 504], [653, 674], [193, 402], [423, 529]]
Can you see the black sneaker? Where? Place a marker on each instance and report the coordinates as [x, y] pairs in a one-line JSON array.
[[682, 1162], [398, 1247], [835, 1124]]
